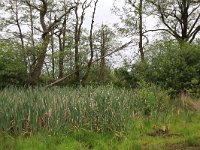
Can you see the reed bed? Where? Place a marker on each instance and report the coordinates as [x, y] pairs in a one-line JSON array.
[[99, 109]]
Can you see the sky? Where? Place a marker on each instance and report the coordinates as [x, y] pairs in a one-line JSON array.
[[103, 14], [106, 16]]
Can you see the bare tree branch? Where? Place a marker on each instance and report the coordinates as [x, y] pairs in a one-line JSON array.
[[85, 67]]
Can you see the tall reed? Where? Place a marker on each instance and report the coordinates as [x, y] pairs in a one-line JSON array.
[[100, 109]]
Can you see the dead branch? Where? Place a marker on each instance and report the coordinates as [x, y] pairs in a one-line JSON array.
[[85, 67]]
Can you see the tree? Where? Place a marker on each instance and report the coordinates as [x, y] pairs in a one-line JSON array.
[[32, 52], [180, 17], [12, 65], [132, 16], [62, 43], [91, 41], [45, 38], [35, 17], [105, 40], [77, 33], [171, 67], [17, 19]]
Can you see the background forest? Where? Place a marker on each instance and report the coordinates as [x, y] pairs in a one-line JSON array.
[[45, 41]]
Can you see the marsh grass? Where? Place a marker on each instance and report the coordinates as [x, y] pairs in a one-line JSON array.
[[103, 117], [100, 109], [183, 134]]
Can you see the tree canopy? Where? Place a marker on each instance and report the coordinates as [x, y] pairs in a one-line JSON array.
[[59, 42]]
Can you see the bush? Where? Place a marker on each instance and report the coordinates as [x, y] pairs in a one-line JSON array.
[[172, 67], [151, 100], [12, 64]]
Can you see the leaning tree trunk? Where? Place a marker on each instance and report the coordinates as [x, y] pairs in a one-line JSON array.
[[46, 36], [38, 67]]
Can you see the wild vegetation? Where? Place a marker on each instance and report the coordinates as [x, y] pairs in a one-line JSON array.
[[102, 117], [99, 109], [62, 85]]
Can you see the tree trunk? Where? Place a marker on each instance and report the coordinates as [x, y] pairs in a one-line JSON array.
[[52, 55], [61, 57], [141, 31], [62, 47], [52, 49], [91, 44], [184, 12], [33, 53], [77, 38], [77, 68], [40, 61], [102, 56]]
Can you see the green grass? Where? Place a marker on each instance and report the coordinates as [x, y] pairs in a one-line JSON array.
[[96, 118], [182, 133]]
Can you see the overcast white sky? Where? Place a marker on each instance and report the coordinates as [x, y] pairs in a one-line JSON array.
[[103, 14]]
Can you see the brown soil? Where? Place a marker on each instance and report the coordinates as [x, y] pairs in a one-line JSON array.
[[181, 146]]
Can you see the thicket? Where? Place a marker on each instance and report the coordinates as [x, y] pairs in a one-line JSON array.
[[170, 66]]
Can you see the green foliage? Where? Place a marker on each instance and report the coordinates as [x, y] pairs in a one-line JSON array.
[[171, 66], [93, 77], [12, 65], [178, 68], [94, 74], [123, 77], [151, 99]]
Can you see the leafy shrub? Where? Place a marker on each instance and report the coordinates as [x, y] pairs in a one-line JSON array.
[[151, 99], [124, 78], [12, 64], [171, 66]]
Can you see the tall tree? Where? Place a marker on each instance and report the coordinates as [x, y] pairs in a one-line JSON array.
[[52, 48], [91, 41], [105, 39], [62, 39], [46, 35], [180, 17], [138, 7], [15, 8], [131, 15], [80, 8], [32, 52]]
